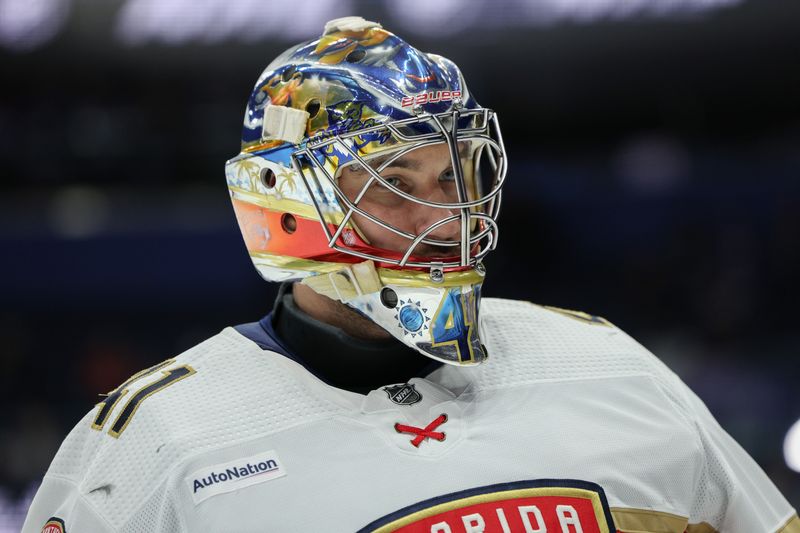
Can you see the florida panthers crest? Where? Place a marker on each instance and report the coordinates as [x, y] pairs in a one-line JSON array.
[[540, 506]]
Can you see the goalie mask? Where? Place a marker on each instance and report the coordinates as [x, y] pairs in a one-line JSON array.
[[327, 126]]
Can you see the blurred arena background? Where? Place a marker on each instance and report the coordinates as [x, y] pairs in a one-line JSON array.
[[654, 180]]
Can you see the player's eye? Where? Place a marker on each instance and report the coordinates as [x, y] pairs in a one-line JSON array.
[[447, 175], [394, 181]]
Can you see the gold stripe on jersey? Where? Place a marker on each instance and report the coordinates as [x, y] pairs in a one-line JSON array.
[[647, 521], [702, 527], [792, 526], [580, 316]]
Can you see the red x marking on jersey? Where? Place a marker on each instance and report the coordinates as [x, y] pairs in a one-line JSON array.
[[424, 433]]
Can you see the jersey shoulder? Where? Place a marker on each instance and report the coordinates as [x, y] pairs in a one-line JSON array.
[[546, 346], [221, 392], [529, 342]]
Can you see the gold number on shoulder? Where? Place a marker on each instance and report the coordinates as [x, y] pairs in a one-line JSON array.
[[171, 376]]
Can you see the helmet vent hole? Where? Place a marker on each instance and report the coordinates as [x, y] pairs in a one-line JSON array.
[[288, 223], [356, 55], [267, 178], [388, 298], [288, 73], [312, 107]]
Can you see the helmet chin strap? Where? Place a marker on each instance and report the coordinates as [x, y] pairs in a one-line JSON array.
[[348, 283]]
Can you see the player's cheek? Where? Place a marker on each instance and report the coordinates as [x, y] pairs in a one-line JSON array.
[[388, 239]]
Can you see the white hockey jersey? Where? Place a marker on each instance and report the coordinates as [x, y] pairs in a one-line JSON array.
[[570, 427]]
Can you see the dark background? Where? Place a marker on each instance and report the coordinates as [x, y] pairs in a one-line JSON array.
[[654, 180]]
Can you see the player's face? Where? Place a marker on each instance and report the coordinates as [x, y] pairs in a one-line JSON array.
[[425, 173]]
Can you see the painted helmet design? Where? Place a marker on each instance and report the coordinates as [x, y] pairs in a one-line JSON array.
[[356, 101]]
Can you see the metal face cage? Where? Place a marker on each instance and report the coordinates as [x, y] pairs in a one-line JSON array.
[[478, 187]]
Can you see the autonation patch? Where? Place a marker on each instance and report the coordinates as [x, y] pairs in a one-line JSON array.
[[234, 475]]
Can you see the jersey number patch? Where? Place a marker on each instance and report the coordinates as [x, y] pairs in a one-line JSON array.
[[170, 377]]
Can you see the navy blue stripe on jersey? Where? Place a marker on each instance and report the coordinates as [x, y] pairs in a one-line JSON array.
[[263, 334]]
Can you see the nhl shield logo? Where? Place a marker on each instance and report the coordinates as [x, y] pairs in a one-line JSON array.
[[404, 394]]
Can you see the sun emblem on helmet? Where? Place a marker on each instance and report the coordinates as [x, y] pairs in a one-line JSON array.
[[412, 317]]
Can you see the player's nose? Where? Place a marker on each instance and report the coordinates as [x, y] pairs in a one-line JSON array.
[[427, 216]]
